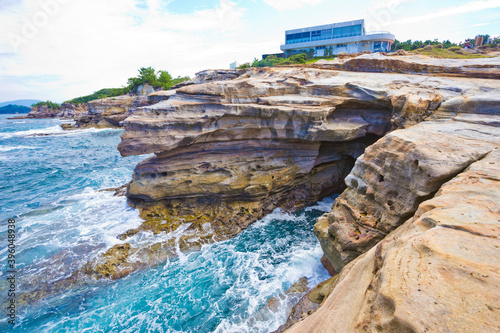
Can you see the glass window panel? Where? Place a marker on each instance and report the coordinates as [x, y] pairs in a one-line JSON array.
[[353, 30]]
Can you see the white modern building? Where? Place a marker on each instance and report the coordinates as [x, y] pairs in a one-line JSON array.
[[330, 39]]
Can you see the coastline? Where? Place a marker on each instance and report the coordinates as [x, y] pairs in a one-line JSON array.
[[231, 147]]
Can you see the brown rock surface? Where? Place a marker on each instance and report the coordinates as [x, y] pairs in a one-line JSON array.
[[42, 111], [231, 146], [394, 175], [108, 112], [439, 272], [417, 64]]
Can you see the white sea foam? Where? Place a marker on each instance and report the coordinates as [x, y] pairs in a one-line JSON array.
[[34, 132], [324, 205], [83, 225], [6, 149], [54, 130]]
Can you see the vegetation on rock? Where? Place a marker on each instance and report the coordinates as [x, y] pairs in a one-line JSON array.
[[49, 104], [454, 52], [273, 60], [156, 79], [12, 109], [160, 79], [410, 45], [103, 93]]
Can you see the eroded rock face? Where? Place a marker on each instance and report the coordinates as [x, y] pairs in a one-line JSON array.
[[108, 112], [231, 146], [488, 68], [437, 272], [43, 111], [395, 175]]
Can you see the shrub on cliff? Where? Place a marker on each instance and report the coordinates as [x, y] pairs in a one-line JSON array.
[[272, 60], [410, 45], [103, 93], [49, 104], [148, 75]]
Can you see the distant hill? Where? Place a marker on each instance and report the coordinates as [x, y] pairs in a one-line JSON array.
[[13, 109], [22, 102]]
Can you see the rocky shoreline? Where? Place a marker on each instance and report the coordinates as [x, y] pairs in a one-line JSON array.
[[428, 132], [411, 141]]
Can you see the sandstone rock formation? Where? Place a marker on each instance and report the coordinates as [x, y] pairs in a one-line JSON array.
[[232, 149], [230, 146], [414, 237], [101, 113], [67, 111], [107, 112], [439, 272], [395, 175], [416, 64], [42, 111]]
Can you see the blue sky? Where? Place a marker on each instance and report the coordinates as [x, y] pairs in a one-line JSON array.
[[60, 49]]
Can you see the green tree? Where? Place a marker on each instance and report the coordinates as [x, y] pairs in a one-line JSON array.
[[147, 75], [165, 79], [48, 104]]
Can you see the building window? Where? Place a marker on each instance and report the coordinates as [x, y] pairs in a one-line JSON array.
[[341, 45], [300, 37], [321, 34], [353, 30]]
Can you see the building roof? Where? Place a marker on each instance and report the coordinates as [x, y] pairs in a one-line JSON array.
[[328, 26]]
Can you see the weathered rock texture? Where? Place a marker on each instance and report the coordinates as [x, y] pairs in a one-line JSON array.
[[102, 113], [439, 272], [108, 112], [416, 233], [230, 146], [111, 111], [67, 111], [42, 111], [417, 64], [395, 175]]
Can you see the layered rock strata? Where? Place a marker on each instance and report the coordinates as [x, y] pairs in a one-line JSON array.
[[66, 111], [395, 175], [111, 111], [231, 148], [108, 112], [438, 272], [488, 68], [415, 236]]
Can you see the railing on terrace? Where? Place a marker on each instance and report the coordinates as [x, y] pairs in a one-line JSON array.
[[377, 32], [368, 33]]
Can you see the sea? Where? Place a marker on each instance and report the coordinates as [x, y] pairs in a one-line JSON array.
[[51, 191]]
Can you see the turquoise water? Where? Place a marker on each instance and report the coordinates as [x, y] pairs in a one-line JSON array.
[[51, 181]]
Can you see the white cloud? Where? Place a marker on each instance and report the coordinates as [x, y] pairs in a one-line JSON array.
[[291, 4], [95, 44], [470, 7], [379, 4], [480, 24]]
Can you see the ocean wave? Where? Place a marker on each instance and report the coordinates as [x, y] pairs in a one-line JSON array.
[[6, 149], [54, 130]]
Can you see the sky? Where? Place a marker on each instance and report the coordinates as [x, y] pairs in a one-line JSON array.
[[61, 49]]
